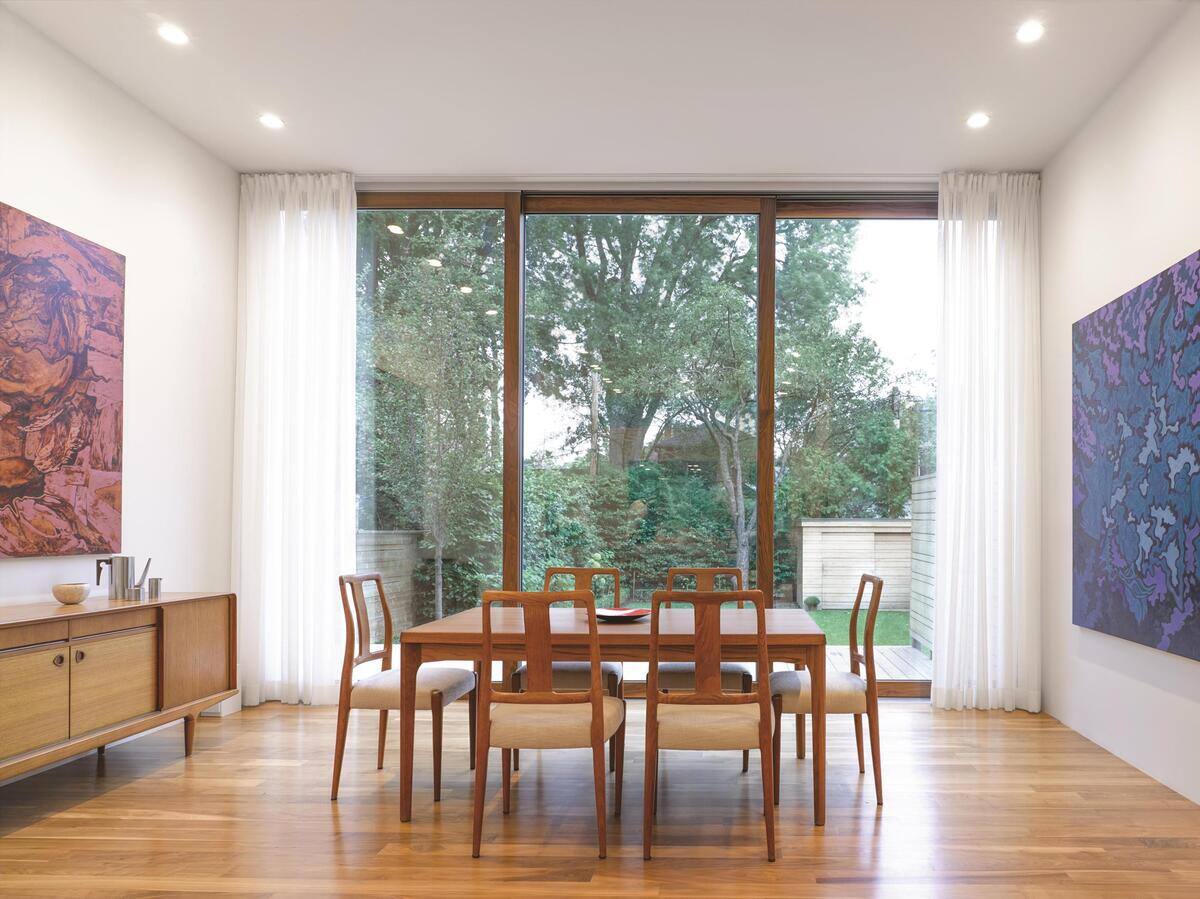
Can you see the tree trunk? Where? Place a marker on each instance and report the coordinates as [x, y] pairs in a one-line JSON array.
[[438, 549], [595, 460]]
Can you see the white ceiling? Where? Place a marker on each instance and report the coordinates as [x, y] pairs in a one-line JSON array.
[[741, 91]]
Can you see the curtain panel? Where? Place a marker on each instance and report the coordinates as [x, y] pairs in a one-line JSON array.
[[987, 618], [293, 529]]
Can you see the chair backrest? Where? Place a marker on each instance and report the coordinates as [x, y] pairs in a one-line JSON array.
[[581, 579], [358, 623], [706, 607], [706, 579], [867, 656], [539, 682]]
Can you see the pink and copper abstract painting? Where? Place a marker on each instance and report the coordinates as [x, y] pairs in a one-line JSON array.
[[62, 335]]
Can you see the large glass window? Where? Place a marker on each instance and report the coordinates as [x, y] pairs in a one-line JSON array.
[[854, 426], [640, 396], [430, 373]]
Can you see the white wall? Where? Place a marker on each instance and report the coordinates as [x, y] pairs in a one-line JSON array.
[[1120, 203], [78, 152]]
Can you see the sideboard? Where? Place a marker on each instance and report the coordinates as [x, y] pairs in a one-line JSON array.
[[74, 678]]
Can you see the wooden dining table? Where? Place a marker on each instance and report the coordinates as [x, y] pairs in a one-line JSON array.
[[792, 636]]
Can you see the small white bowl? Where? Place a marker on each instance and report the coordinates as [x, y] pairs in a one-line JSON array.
[[70, 594]]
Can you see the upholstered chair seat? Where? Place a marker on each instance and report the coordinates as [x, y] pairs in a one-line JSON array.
[[682, 675], [574, 676], [845, 693], [708, 727], [382, 690], [533, 726]]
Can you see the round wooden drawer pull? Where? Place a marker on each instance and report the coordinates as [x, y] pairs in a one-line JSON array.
[[59, 660], [79, 655]]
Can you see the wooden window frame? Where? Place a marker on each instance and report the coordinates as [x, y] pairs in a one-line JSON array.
[[768, 207]]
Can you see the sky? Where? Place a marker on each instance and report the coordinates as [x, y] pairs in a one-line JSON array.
[[899, 261]]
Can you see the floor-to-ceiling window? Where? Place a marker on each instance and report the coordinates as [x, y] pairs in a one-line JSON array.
[[640, 395], [430, 435], [855, 378]]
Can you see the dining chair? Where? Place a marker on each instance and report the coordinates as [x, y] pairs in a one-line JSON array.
[[846, 692], [682, 675], [437, 687], [576, 676], [543, 717], [710, 718]]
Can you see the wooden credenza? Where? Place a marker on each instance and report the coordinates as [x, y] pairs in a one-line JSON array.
[[73, 678]]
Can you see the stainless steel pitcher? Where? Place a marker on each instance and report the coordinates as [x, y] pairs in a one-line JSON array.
[[121, 571]]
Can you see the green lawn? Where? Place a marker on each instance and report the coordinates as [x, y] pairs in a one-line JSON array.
[[891, 628]]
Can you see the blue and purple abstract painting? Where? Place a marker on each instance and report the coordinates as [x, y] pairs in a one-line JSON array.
[[1136, 484]]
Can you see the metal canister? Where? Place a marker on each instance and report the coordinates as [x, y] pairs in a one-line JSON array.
[[155, 588]]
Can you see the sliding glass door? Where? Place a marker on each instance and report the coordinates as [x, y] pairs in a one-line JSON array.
[[640, 395]]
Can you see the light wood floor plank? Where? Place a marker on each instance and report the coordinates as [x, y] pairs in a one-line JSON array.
[[978, 804]]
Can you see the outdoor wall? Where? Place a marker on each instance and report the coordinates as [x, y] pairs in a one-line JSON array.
[[1119, 204], [393, 555], [920, 619], [836, 552], [81, 154]]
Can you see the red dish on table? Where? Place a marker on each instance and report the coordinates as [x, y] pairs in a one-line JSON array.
[[621, 614]]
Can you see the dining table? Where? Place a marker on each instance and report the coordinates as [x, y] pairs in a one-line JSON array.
[[792, 636]]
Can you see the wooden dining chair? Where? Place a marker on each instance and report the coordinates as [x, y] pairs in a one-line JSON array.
[[710, 718], [437, 687], [576, 676], [846, 693], [543, 717], [682, 675]]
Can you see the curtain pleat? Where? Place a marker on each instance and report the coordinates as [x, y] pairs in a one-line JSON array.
[[294, 498], [987, 612]]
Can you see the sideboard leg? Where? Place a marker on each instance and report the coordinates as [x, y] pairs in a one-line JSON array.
[[100, 750], [189, 733]]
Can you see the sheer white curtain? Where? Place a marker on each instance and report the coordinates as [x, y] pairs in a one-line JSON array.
[[987, 645], [293, 530]]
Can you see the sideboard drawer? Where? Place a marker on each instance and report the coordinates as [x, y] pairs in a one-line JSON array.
[[34, 699], [113, 679], [30, 634], [112, 621]]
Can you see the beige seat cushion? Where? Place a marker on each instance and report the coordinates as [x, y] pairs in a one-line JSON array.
[[382, 690], [708, 726], [570, 677], [845, 693], [562, 726], [682, 675]]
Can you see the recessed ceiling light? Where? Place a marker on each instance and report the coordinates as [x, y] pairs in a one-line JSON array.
[[492, 312], [395, 229], [978, 120], [270, 120], [464, 289], [173, 34], [436, 263], [1031, 31]]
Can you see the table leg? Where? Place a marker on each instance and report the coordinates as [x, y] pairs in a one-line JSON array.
[[816, 671], [410, 661]]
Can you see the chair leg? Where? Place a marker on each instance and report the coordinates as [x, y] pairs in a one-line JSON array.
[[343, 722], [649, 790], [858, 739], [800, 740], [506, 763], [747, 687], [382, 738], [600, 779], [873, 725], [435, 703], [481, 764], [777, 741], [612, 690], [472, 715], [516, 753], [619, 765], [764, 757]]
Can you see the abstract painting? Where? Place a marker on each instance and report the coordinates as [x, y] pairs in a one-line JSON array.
[[62, 334], [1136, 483]]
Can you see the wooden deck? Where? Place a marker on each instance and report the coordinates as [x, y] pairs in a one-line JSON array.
[[891, 662]]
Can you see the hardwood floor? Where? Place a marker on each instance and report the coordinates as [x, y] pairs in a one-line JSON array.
[[976, 804]]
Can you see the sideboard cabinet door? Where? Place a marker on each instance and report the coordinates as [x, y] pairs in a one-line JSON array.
[[113, 679], [34, 699]]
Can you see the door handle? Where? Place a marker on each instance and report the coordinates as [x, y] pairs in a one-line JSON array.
[[80, 655], [59, 660]]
